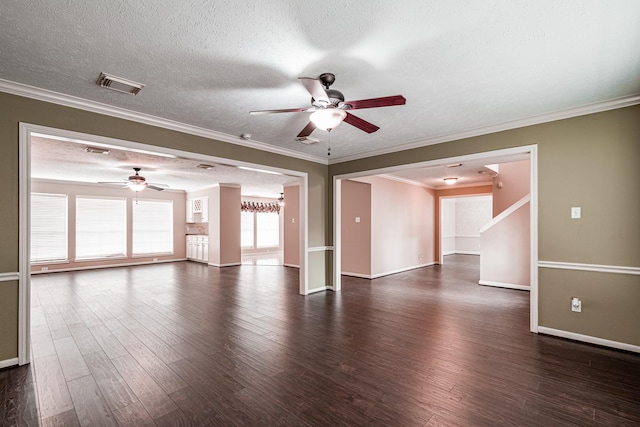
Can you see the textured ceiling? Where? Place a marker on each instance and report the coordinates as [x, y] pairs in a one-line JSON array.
[[461, 65]]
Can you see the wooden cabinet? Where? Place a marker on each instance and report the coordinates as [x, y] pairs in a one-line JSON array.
[[198, 248]]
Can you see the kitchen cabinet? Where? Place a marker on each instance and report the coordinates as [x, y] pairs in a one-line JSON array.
[[198, 248], [197, 210]]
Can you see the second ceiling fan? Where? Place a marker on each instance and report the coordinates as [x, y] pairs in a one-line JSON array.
[[329, 108]]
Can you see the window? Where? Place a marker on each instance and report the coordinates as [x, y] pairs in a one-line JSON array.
[[152, 227], [246, 230], [48, 227], [101, 227], [268, 230]]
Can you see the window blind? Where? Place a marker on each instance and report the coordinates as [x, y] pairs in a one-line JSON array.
[[268, 230], [101, 227], [49, 227]]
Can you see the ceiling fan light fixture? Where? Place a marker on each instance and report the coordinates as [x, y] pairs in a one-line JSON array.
[[281, 200], [328, 119], [137, 186], [450, 181]]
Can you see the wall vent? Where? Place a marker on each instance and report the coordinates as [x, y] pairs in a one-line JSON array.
[[307, 140], [119, 84]]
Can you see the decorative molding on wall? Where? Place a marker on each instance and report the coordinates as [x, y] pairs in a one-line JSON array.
[[122, 113], [94, 267], [8, 362], [504, 285], [616, 269], [8, 277], [499, 127], [320, 248], [588, 339]]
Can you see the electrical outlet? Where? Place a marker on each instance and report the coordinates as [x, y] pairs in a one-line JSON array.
[[44, 269], [420, 257], [155, 260], [576, 305]]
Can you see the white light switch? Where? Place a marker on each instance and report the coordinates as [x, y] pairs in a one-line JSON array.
[[357, 219], [293, 220], [575, 213]]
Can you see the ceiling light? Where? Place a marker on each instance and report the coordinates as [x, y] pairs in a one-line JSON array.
[[96, 150], [328, 118], [281, 199], [137, 186], [119, 84], [450, 181], [246, 136], [453, 165]]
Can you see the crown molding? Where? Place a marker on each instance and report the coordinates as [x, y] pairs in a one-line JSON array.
[[568, 113], [122, 113], [40, 94]]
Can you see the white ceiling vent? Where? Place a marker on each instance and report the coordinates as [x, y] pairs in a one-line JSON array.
[[119, 84], [307, 140]]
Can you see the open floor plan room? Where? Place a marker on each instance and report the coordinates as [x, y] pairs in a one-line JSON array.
[[186, 344]]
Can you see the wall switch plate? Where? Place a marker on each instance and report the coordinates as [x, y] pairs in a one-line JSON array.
[[293, 220], [576, 305], [357, 219], [576, 212]]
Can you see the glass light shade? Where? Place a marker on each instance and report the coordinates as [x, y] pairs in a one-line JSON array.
[[450, 181], [328, 119], [138, 186], [281, 199]]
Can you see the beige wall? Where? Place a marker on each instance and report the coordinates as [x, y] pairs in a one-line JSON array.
[[291, 226], [512, 184], [229, 225], [356, 236], [589, 161], [72, 190], [15, 109]]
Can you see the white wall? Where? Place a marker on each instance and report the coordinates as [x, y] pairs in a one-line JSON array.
[[462, 218]]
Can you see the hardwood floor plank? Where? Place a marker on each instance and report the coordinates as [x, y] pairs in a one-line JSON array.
[[153, 398], [91, 407], [72, 362], [65, 419], [84, 338], [164, 376], [133, 416], [109, 344], [53, 394], [113, 387]]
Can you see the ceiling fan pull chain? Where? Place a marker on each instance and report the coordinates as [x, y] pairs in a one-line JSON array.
[[329, 145]]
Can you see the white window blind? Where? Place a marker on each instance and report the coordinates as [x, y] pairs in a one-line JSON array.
[[153, 227], [246, 230], [267, 230], [48, 227], [101, 227]]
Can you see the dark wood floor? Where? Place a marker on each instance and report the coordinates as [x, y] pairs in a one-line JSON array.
[[186, 344]]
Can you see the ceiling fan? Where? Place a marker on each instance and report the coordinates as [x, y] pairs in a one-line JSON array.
[[329, 108], [138, 183]]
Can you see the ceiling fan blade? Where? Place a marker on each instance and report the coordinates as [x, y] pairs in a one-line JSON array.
[[314, 87], [310, 127], [360, 123], [385, 101], [286, 110]]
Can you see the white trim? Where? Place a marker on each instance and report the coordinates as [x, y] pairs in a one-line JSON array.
[[533, 238], [505, 213], [320, 248], [337, 234], [24, 245], [358, 275], [230, 264], [467, 252], [8, 277], [122, 113], [588, 339], [8, 362], [316, 290], [405, 180], [402, 270], [616, 269], [583, 110], [291, 265], [98, 267], [504, 285]]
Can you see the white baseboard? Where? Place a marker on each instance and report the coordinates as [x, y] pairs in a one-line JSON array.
[[96, 267], [387, 273], [291, 265], [8, 362], [588, 339], [231, 264], [504, 285], [316, 290], [467, 252]]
